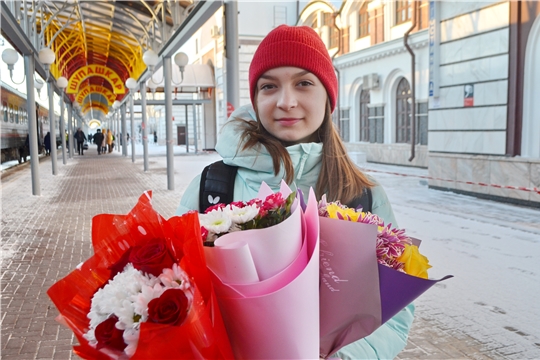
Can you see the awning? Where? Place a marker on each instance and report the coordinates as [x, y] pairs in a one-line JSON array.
[[196, 77]]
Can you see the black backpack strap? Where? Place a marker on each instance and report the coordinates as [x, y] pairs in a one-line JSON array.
[[217, 185], [365, 200]]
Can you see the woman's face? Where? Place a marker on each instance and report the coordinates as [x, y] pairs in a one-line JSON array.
[[291, 104]]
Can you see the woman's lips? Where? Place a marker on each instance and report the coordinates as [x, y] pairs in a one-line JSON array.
[[287, 121]]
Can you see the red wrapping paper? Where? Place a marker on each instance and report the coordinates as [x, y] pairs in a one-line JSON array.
[[201, 336]]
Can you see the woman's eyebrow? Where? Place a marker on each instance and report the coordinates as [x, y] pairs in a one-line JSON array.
[[298, 74]]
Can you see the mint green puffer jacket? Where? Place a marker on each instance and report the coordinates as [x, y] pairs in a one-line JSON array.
[[255, 166]]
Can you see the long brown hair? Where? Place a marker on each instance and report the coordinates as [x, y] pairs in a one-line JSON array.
[[339, 178]]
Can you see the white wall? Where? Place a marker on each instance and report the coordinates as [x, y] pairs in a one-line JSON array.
[[473, 50]]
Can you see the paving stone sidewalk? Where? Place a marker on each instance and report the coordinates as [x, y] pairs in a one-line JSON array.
[[45, 237]]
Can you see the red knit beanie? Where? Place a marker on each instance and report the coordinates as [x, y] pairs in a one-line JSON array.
[[298, 46]]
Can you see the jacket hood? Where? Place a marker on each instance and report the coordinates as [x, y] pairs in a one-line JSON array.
[[255, 164]]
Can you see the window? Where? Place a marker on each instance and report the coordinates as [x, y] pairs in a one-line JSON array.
[[5, 111], [403, 11], [422, 123], [344, 124], [363, 21], [364, 115], [403, 112], [315, 22], [422, 14], [280, 15], [11, 116]]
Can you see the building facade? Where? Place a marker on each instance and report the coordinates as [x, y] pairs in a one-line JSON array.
[[474, 84]]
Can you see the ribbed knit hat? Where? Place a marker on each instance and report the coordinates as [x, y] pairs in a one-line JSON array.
[[298, 46]]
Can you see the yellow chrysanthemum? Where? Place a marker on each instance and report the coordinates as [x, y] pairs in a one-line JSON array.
[[416, 264], [333, 211]]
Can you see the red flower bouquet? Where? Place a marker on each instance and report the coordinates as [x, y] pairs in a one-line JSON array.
[[145, 288]]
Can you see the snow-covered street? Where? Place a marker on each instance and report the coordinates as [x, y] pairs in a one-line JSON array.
[[491, 248]]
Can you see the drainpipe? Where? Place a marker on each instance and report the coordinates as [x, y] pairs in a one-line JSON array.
[[338, 108], [413, 80]]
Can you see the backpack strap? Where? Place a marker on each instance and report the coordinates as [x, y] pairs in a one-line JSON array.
[[217, 185], [365, 200]]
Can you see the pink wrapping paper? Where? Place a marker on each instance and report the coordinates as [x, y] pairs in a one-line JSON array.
[[349, 294], [277, 318]]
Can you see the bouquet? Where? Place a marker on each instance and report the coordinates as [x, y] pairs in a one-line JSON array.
[[264, 267], [369, 272], [145, 287], [394, 248], [221, 219]]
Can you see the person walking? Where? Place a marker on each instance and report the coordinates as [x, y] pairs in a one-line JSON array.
[[98, 140], [47, 142], [109, 140], [155, 137], [80, 138], [287, 133]]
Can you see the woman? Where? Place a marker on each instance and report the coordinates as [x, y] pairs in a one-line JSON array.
[[289, 134]]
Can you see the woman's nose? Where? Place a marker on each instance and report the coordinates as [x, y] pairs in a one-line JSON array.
[[286, 100]]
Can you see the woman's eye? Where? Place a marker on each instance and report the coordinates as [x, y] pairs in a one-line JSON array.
[[267, 86], [305, 83]]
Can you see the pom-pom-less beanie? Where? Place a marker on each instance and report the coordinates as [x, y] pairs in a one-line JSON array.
[[298, 46]]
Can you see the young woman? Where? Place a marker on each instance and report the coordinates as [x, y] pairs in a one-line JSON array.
[[288, 134]]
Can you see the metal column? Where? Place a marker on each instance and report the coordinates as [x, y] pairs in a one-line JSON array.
[[167, 73], [70, 130], [144, 125], [52, 127], [124, 129], [132, 118], [62, 130], [32, 122], [231, 53], [194, 126]]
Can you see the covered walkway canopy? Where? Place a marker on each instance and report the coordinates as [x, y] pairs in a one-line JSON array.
[[95, 52]]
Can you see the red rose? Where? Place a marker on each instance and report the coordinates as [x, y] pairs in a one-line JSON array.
[[152, 257], [170, 308], [107, 335]]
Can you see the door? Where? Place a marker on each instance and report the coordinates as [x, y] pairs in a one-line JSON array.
[[181, 135]]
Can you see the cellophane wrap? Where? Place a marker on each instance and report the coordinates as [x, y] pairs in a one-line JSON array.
[[202, 335]]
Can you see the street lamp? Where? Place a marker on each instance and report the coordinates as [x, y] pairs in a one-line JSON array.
[[46, 57], [181, 59], [10, 57], [150, 58]]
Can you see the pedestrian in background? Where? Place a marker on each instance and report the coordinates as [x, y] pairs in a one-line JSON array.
[[80, 138], [104, 142], [155, 137], [98, 140], [47, 142], [109, 140]]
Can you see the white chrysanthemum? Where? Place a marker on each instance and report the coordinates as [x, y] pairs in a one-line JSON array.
[[216, 222], [175, 278], [242, 215], [141, 300]]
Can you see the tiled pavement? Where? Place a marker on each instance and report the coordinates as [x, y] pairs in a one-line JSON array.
[[45, 237]]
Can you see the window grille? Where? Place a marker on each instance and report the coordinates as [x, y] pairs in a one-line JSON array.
[[403, 112], [344, 124], [364, 115], [403, 11]]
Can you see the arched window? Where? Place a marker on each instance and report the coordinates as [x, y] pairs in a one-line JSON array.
[[364, 115], [363, 20], [403, 112]]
